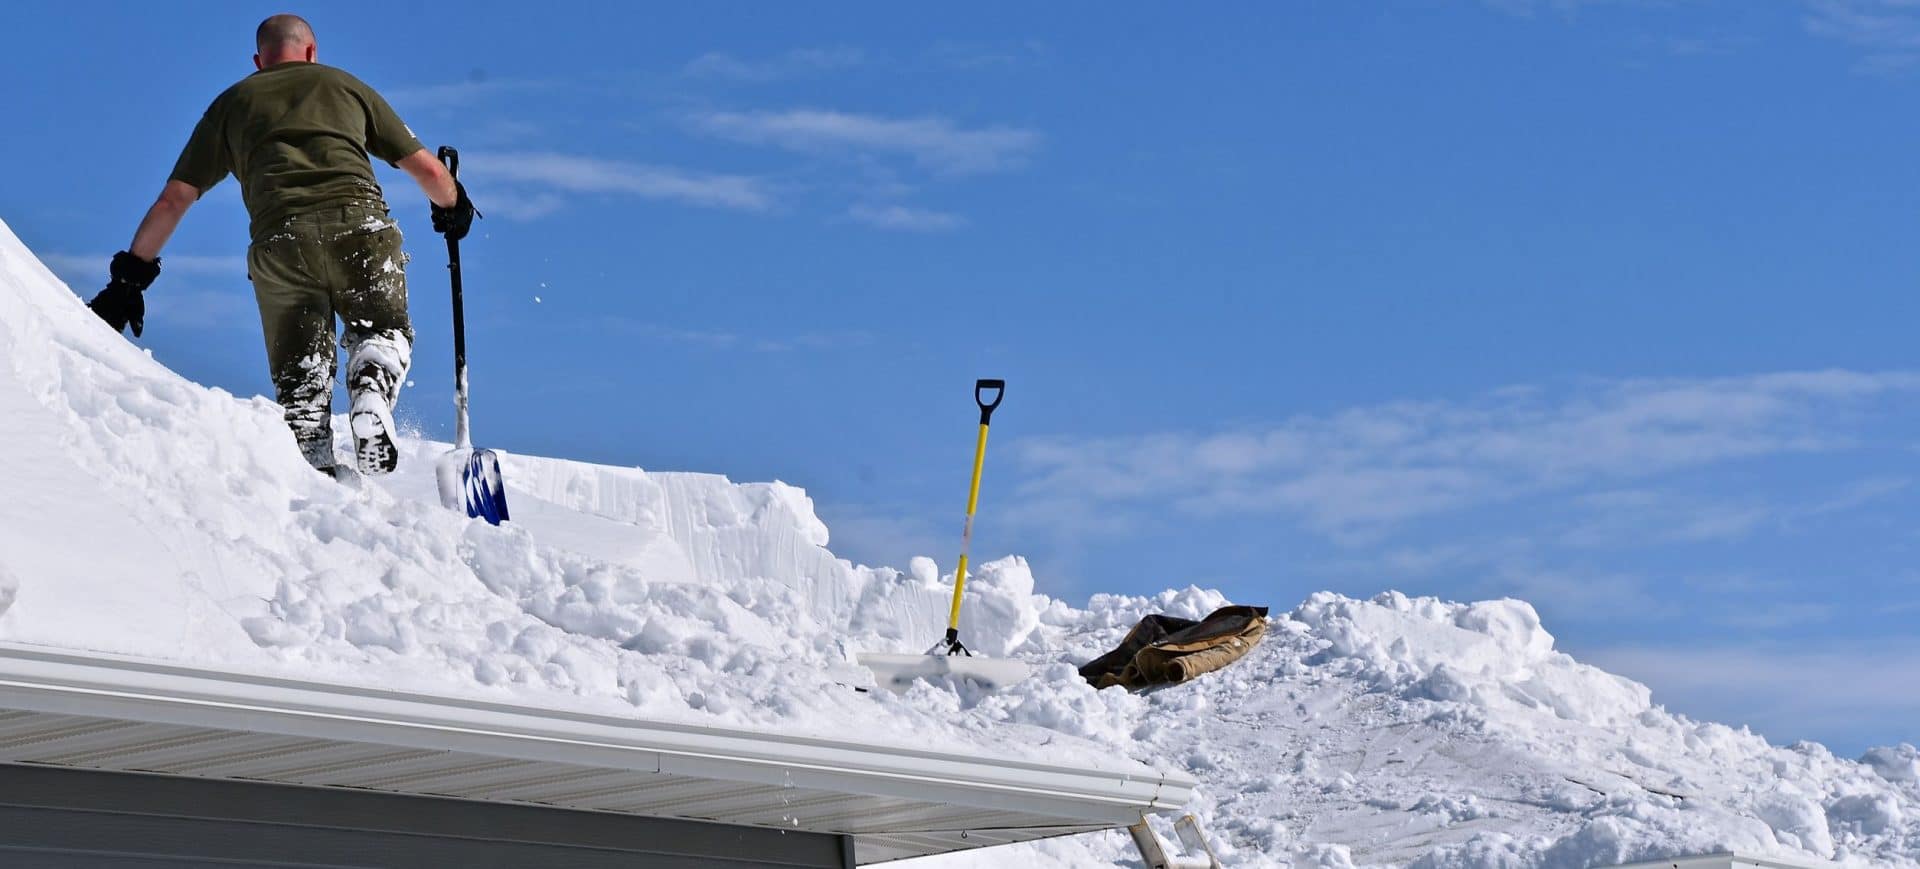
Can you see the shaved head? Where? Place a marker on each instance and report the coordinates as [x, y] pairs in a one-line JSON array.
[[283, 34]]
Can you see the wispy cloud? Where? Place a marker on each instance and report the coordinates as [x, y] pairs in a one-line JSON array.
[[1873, 23], [1641, 516], [871, 535], [1374, 467], [1694, 45], [95, 264], [521, 205], [1650, 516], [986, 55], [799, 61], [734, 342], [1577, 594], [935, 143], [205, 309], [1888, 30], [1529, 8], [180, 300], [903, 218], [1859, 494], [553, 173], [1770, 615], [1858, 685], [459, 94], [1701, 46]]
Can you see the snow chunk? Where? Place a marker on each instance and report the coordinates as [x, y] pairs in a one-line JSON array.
[[1899, 763]]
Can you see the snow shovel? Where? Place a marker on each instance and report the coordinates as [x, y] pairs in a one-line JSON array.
[[469, 478], [950, 657]]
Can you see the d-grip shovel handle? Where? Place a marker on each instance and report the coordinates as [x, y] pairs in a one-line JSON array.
[[980, 388], [451, 159]]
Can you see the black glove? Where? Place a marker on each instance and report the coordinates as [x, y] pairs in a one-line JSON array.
[[455, 221], [120, 304]]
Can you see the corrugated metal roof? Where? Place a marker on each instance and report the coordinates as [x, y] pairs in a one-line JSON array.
[[107, 712]]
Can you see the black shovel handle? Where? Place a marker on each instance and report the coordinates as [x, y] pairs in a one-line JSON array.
[[451, 159], [980, 388]]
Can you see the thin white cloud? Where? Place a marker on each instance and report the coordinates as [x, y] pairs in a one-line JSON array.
[[1773, 689], [179, 300], [1373, 467], [554, 173], [987, 55], [800, 61], [1617, 518], [1767, 616], [735, 342], [1639, 516], [1577, 594], [204, 309], [901, 217], [1528, 8], [83, 266], [460, 94], [1873, 23], [868, 535], [1861, 493], [1887, 30], [518, 205], [935, 143]]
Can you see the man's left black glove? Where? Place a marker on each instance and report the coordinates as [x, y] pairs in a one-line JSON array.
[[121, 304], [455, 221]]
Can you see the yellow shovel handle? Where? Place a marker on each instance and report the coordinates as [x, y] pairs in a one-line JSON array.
[[966, 536], [980, 389]]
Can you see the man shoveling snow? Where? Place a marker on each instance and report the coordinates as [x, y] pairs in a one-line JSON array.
[[297, 135]]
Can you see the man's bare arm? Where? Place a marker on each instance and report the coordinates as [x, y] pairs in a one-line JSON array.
[[162, 219], [431, 176]]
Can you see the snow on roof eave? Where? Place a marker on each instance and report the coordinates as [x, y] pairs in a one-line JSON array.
[[110, 712], [1727, 860]]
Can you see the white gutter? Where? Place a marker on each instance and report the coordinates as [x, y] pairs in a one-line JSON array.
[[1728, 860], [40, 679]]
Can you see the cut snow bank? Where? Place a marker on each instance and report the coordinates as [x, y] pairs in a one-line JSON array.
[[151, 516]]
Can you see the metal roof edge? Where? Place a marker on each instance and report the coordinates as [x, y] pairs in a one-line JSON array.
[[1734, 859], [46, 679]]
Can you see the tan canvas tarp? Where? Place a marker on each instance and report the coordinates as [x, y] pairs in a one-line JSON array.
[[1167, 650]]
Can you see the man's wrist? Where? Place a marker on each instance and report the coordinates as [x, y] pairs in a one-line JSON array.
[[136, 271]]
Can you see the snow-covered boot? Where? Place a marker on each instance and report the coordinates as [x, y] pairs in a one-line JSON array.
[[317, 448], [375, 365], [374, 449]]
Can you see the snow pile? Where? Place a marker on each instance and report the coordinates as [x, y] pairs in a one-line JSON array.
[[152, 516], [1412, 731]]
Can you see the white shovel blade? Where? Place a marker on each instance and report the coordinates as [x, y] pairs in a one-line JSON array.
[[469, 481], [447, 473], [896, 672]]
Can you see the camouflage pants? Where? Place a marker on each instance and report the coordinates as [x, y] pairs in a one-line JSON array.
[[343, 262]]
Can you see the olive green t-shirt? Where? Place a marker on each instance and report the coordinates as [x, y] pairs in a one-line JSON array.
[[297, 135]]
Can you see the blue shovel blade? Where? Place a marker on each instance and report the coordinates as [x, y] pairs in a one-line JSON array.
[[484, 493]]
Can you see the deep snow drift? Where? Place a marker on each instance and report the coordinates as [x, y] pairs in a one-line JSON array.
[[149, 515]]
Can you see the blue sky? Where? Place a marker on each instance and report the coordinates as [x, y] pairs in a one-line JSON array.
[[1606, 305]]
